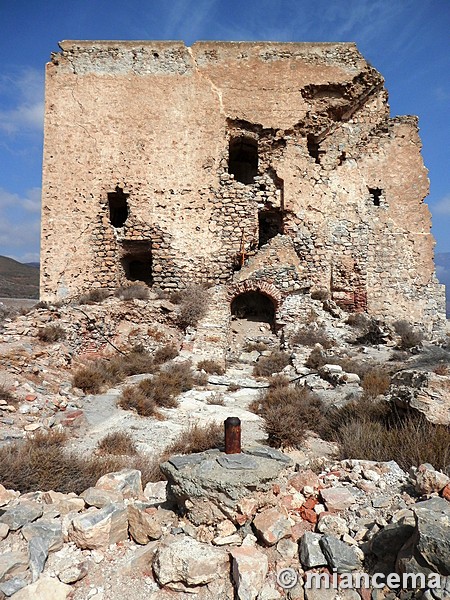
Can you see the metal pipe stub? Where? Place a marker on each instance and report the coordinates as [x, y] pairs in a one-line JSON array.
[[232, 435]]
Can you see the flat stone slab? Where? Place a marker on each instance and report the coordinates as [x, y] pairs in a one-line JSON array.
[[212, 483]]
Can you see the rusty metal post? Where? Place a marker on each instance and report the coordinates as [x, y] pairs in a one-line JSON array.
[[232, 435]]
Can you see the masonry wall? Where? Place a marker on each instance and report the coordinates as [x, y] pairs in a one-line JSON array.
[[339, 181]]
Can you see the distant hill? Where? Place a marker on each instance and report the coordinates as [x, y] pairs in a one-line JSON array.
[[18, 280], [443, 273]]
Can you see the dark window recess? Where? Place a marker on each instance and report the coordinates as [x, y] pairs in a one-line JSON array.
[[270, 224], [376, 195], [314, 148], [243, 159], [118, 207], [137, 261], [254, 306]]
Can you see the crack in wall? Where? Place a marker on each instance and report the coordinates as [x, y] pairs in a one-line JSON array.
[[212, 85]]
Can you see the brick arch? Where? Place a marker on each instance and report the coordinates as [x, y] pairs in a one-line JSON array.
[[262, 287]]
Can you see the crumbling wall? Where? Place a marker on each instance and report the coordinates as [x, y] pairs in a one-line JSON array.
[[234, 161]]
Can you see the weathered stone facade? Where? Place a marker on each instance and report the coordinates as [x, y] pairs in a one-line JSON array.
[[227, 163]]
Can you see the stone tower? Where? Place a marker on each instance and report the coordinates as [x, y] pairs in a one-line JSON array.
[[271, 167]]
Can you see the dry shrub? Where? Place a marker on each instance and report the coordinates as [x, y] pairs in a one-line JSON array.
[[320, 294], [376, 382], [117, 442], [376, 430], [252, 346], [51, 333], [233, 387], [358, 320], [316, 359], [288, 413], [278, 381], [134, 398], [135, 291], [42, 463], [441, 370], [5, 394], [160, 391], [193, 303], [409, 337], [96, 376], [371, 332], [310, 335], [197, 438], [216, 399], [274, 363], [93, 296], [165, 353], [211, 366]]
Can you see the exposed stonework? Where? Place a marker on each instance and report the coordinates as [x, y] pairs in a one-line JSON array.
[[234, 163]]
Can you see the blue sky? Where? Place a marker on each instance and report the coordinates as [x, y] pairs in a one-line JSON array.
[[408, 41]]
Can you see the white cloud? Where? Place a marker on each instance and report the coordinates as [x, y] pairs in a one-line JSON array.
[[442, 207], [25, 109], [20, 224], [30, 202]]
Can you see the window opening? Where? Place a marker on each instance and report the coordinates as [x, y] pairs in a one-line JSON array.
[[118, 207], [137, 261], [314, 148], [376, 194], [270, 224], [243, 159], [254, 306]]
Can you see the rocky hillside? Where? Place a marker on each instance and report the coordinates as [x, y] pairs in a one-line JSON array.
[[84, 515], [18, 280]]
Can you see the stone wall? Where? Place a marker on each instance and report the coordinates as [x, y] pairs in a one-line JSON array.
[[231, 161]]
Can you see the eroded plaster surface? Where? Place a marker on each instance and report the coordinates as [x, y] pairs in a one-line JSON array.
[[228, 163]]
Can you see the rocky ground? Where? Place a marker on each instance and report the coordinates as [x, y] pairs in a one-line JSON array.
[[227, 534]]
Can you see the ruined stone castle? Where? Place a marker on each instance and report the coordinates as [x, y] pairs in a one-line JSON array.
[[267, 168]]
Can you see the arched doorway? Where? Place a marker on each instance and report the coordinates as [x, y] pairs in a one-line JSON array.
[[254, 306]]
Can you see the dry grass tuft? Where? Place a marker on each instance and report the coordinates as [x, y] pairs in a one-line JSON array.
[[197, 438], [118, 443], [160, 391], [376, 430], [310, 335], [42, 463], [252, 346], [135, 291], [96, 376], [288, 413], [376, 382], [409, 337], [274, 363], [51, 333], [94, 296], [193, 303], [165, 353], [211, 366]]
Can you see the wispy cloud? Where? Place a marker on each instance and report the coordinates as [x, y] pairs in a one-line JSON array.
[[442, 207], [22, 102], [20, 224]]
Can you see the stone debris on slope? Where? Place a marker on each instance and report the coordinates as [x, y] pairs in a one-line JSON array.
[[392, 527]]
